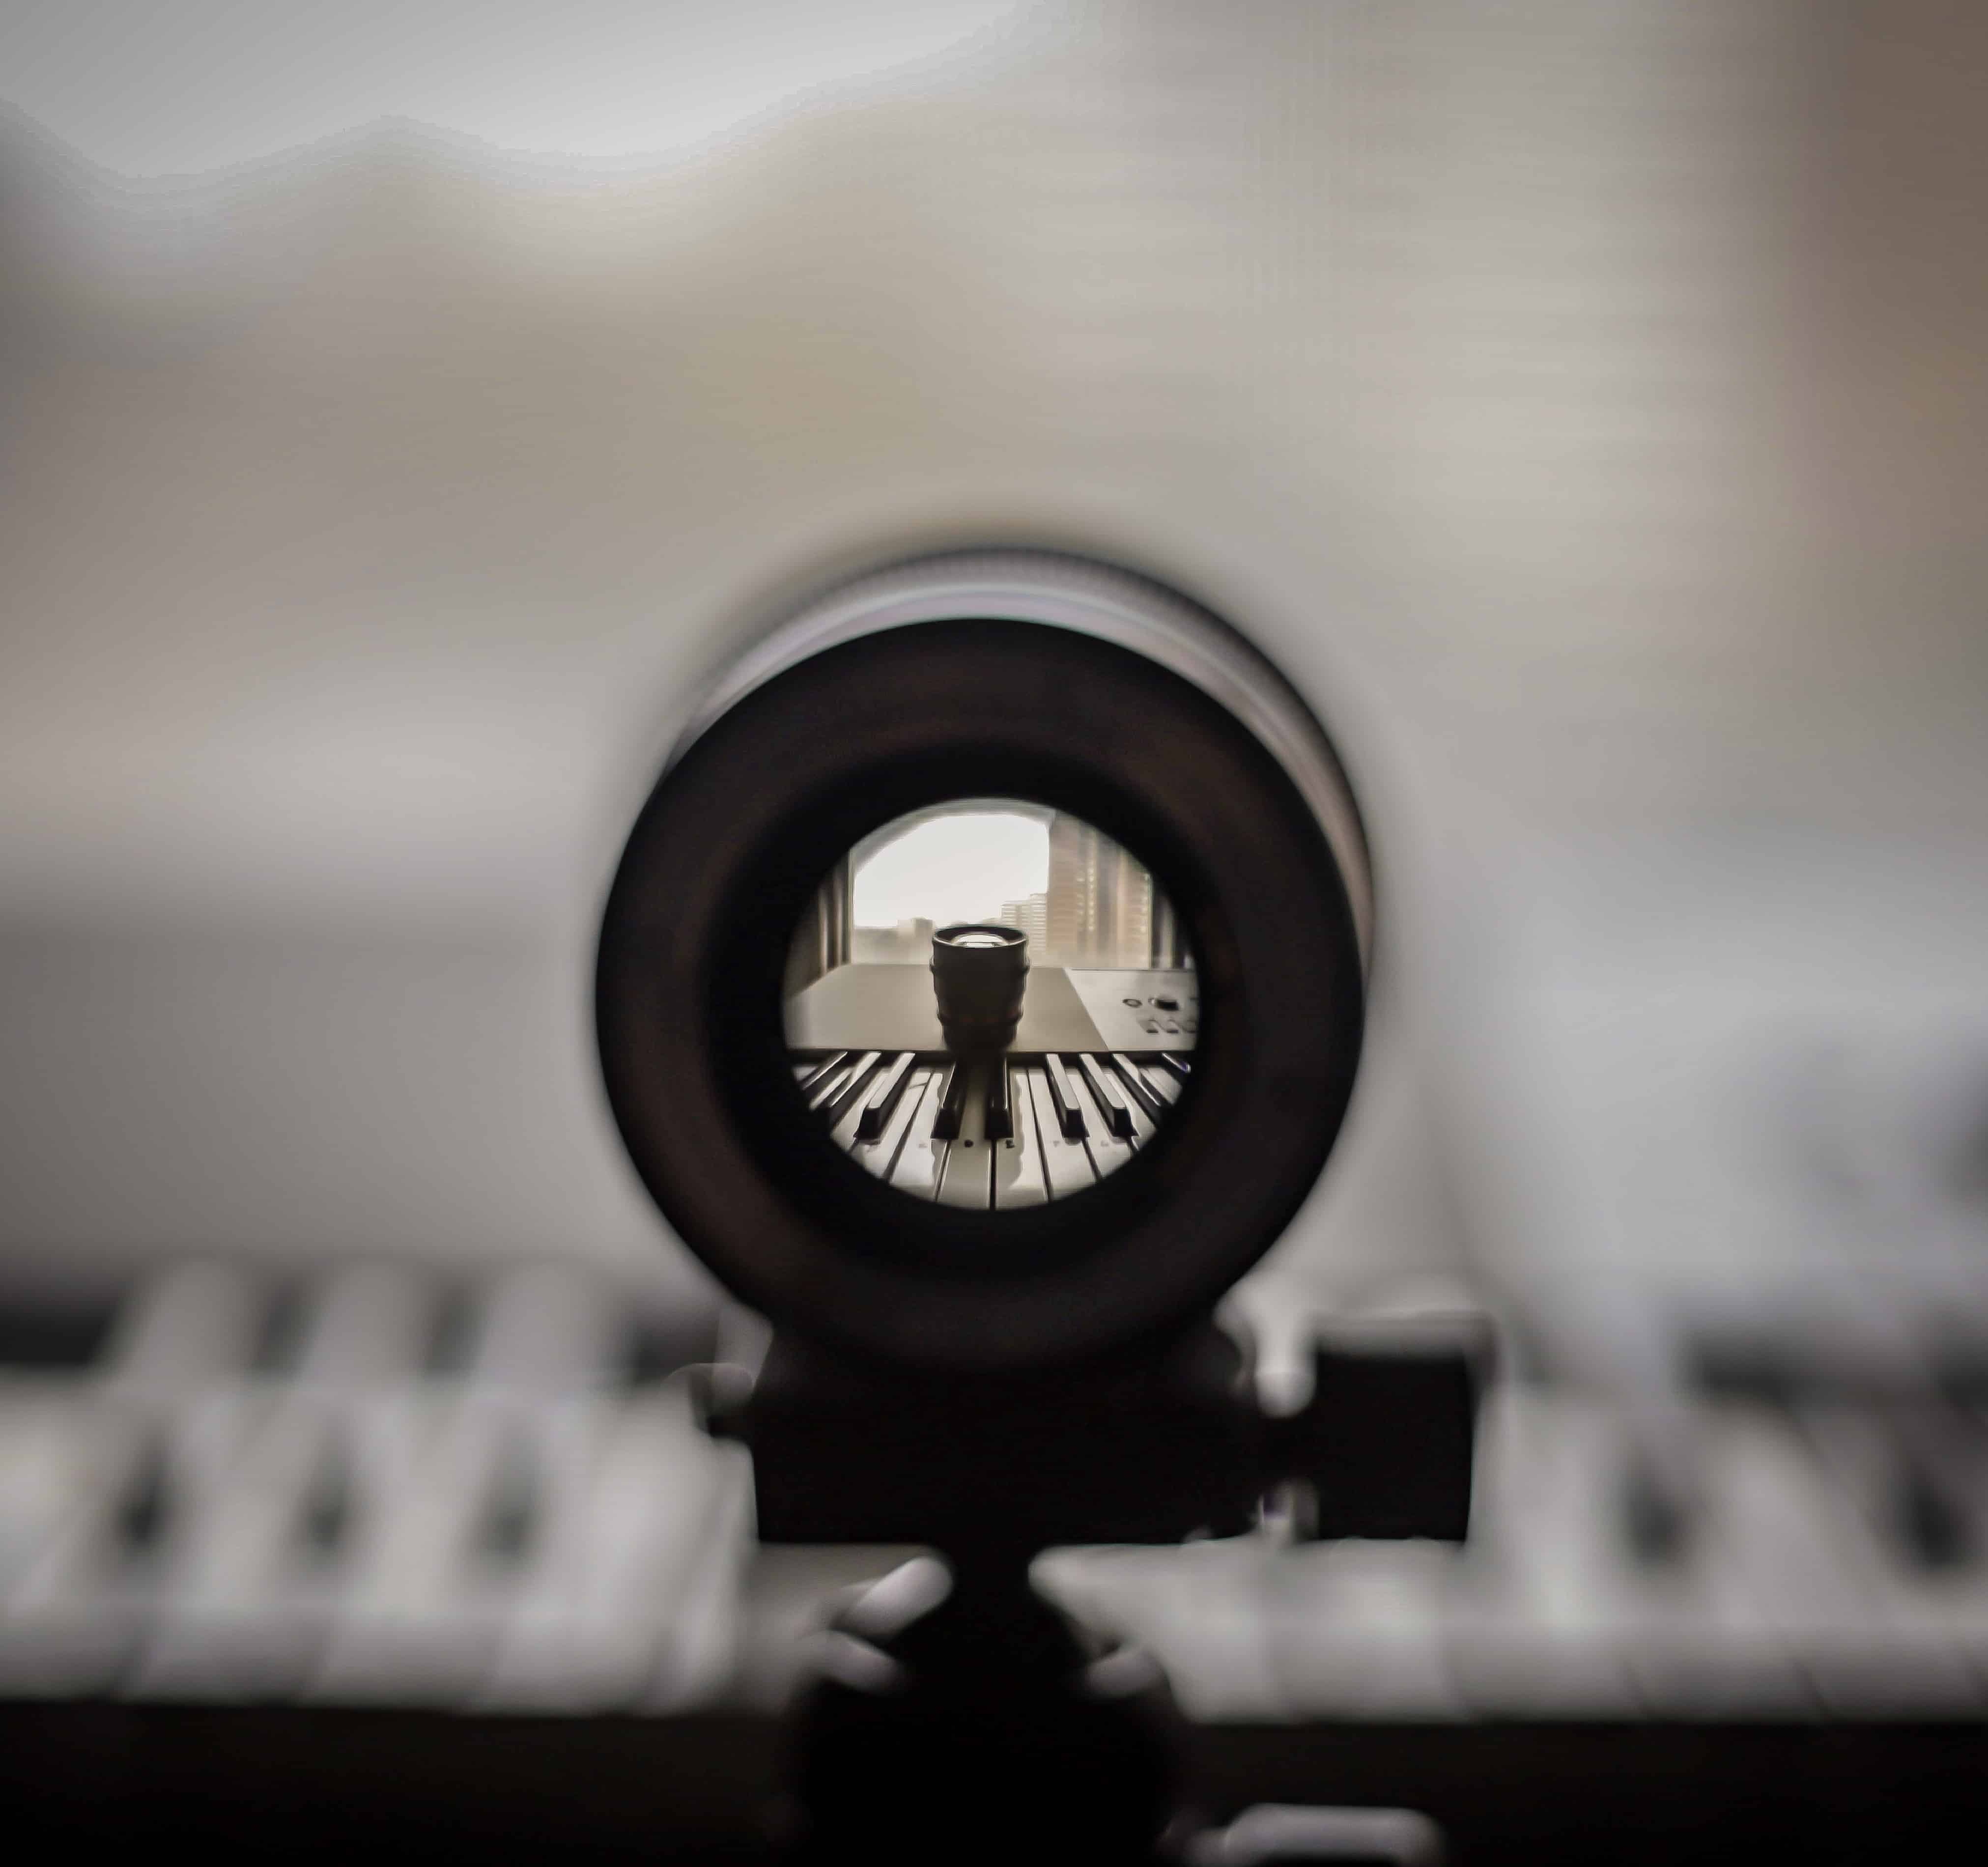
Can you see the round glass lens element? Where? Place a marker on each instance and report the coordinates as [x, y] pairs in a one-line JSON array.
[[990, 1004]]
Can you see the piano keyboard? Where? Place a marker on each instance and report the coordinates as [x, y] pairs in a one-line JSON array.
[[987, 1135], [373, 1492]]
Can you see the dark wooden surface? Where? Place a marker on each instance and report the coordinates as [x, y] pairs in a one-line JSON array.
[[239, 1782]]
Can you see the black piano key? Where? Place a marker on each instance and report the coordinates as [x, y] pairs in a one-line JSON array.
[[833, 1097], [1117, 1117], [1134, 1079], [884, 1096], [951, 1102], [142, 1513], [1933, 1527], [508, 1526], [998, 1120], [1069, 1114], [53, 1334], [279, 1341], [326, 1517], [881, 1155], [820, 1073], [1108, 1151], [1179, 1066], [452, 1334]]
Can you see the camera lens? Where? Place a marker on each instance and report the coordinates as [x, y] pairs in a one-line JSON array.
[[979, 976]]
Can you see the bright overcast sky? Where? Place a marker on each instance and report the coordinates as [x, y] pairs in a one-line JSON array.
[[166, 87], [954, 868]]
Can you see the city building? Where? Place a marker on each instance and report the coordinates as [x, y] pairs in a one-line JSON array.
[[1099, 908]]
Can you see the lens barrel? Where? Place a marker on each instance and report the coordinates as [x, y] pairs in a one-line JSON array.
[[979, 974]]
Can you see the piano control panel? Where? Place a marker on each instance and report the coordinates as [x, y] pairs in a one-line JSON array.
[[1142, 1010]]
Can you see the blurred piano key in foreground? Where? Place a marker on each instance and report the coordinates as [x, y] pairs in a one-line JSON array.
[[382, 1486], [367, 1487]]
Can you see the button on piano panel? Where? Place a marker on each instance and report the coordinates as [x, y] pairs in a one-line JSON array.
[[1144, 1010]]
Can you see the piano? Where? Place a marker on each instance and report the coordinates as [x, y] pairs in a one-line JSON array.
[[388, 1508]]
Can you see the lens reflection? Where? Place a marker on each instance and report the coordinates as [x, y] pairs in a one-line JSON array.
[[989, 1004]]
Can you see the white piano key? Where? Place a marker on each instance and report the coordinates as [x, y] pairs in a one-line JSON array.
[[371, 1324], [1018, 1176], [811, 1075], [1697, 1646], [1355, 1630], [250, 1598], [1134, 1086], [881, 1155], [1533, 1623], [74, 1601], [190, 1326], [636, 1602], [1936, 1620], [49, 1441], [1808, 1559], [966, 1178], [430, 1599], [921, 1161], [829, 1085], [1162, 1081], [79, 1617], [550, 1328]]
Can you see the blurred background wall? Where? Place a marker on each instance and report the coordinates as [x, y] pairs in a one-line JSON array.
[[1584, 405]]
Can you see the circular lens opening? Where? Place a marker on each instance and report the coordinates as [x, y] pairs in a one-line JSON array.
[[990, 1004]]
